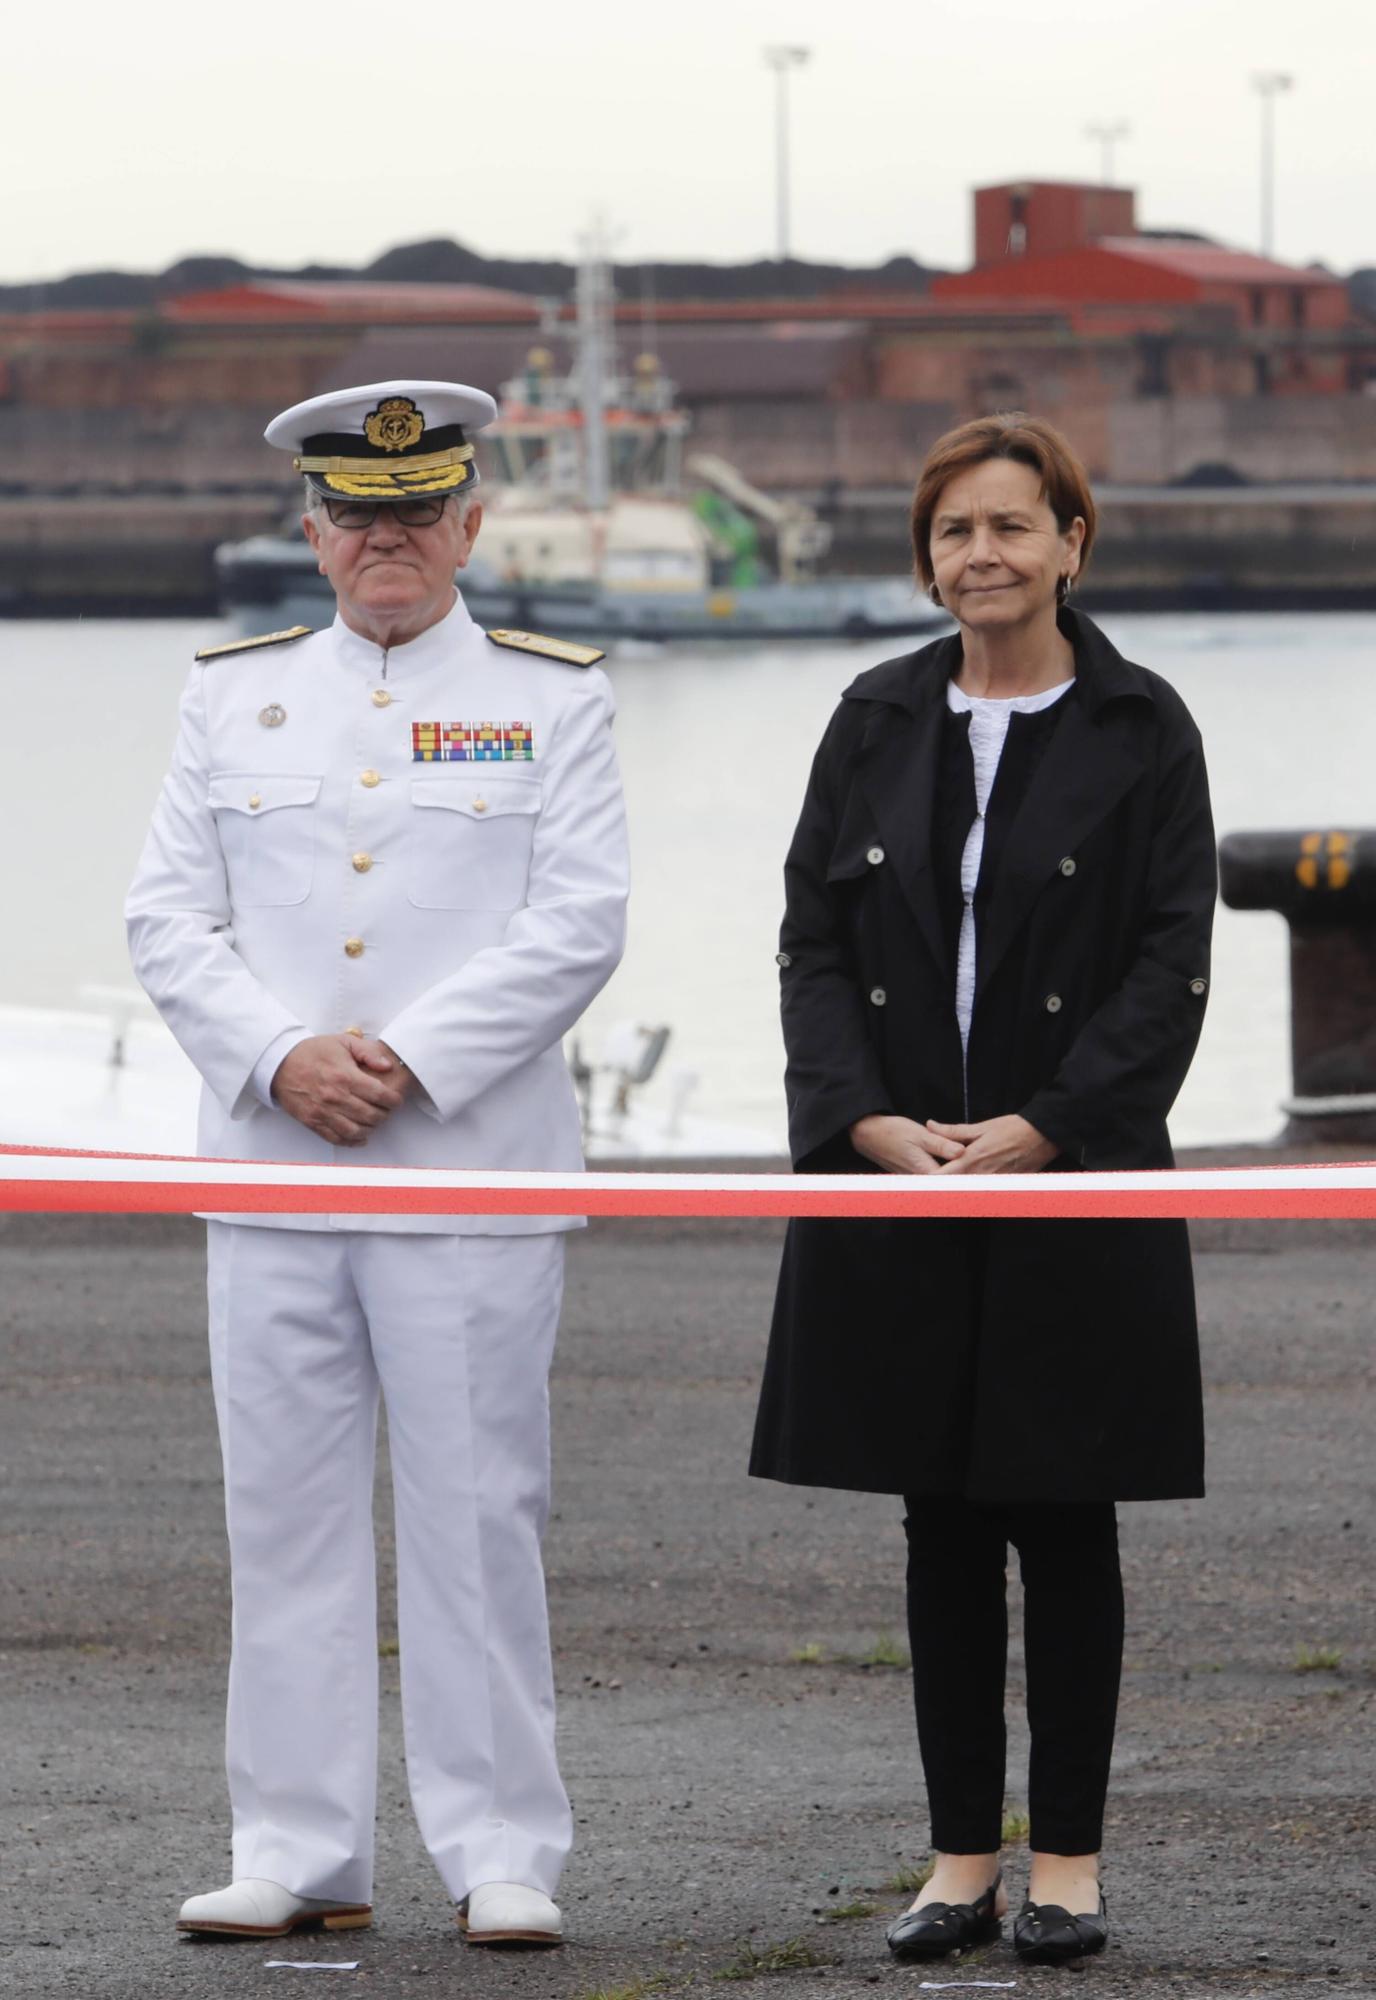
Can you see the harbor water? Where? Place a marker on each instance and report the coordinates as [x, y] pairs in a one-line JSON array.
[[715, 743]]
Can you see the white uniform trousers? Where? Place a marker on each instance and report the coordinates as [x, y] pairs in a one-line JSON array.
[[458, 1332]]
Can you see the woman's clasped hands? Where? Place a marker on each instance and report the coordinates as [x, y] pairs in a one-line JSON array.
[[1007, 1145]]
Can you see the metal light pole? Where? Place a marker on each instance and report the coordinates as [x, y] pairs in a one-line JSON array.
[[781, 58], [1108, 137], [1268, 83]]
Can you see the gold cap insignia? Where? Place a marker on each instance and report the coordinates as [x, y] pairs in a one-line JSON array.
[[395, 425]]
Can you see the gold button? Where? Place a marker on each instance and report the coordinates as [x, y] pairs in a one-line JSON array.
[[354, 1031], [370, 778], [480, 805], [362, 863], [381, 698], [254, 802], [353, 947]]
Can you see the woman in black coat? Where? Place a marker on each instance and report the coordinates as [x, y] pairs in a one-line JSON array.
[[994, 958]]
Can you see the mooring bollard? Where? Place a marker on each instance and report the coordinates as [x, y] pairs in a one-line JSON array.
[[1324, 885]]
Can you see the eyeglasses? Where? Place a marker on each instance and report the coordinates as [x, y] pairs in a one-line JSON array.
[[421, 512]]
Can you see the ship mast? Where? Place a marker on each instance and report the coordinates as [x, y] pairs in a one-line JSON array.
[[594, 364]]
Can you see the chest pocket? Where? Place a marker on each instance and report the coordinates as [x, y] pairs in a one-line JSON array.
[[266, 822], [857, 855], [470, 842], [849, 861], [855, 874]]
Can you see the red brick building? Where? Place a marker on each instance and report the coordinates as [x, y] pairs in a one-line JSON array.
[[1078, 250], [1159, 354], [1038, 218]]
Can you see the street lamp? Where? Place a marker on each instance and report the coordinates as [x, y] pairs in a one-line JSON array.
[[1268, 83], [782, 57], [1108, 137]]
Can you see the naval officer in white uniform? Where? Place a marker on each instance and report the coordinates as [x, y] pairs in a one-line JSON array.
[[386, 873]]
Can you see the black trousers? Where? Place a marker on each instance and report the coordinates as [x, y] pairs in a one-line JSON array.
[[1073, 1639]]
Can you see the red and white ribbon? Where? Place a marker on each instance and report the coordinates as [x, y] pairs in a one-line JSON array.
[[130, 1184]]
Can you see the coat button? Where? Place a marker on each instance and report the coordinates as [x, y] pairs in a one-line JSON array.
[[1068, 866], [877, 996], [254, 802], [1053, 1003], [782, 958], [353, 947], [370, 778], [381, 698], [1199, 987], [480, 805], [362, 863], [875, 856], [354, 1031]]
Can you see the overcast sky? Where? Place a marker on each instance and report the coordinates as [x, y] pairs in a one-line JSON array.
[[283, 132]]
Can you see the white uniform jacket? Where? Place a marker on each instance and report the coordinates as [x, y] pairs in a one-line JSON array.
[[427, 844]]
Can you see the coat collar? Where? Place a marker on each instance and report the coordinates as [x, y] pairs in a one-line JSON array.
[[1089, 764], [917, 681]]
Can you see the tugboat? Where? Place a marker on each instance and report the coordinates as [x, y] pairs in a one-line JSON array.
[[598, 525]]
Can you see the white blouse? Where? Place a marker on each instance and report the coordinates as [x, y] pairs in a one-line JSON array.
[[989, 719]]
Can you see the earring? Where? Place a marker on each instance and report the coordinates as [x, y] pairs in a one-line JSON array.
[[1062, 589], [934, 593]]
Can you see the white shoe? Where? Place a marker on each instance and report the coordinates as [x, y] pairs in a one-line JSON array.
[[254, 1908], [509, 1913]]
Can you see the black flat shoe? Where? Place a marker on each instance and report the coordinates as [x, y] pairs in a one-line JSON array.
[[939, 1928], [1045, 1934]]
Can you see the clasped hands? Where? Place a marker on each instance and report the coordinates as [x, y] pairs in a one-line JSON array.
[[341, 1087], [1007, 1145]]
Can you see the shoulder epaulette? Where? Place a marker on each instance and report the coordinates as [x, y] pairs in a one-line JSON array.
[[249, 645], [549, 649]]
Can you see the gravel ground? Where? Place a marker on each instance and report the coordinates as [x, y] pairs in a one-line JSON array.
[[739, 1809]]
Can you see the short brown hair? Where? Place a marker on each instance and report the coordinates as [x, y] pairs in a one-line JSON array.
[[1011, 434]]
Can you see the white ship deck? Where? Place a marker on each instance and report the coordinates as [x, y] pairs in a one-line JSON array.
[[60, 1086]]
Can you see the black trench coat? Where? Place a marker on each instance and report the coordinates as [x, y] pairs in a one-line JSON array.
[[1019, 1360]]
